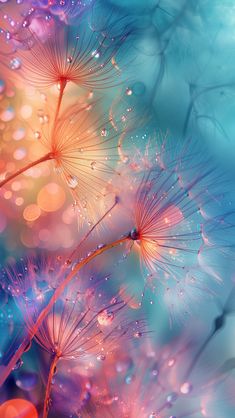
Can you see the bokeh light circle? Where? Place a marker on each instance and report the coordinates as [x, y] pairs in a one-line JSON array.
[[18, 408], [51, 197]]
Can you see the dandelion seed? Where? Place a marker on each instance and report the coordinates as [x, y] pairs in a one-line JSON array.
[[64, 54]]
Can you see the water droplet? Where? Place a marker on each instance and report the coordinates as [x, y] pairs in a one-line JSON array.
[[134, 234], [95, 54], [69, 59], [100, 246], [93, 164], [125, 159], [101, 357], [105, 317], [138, 334], [171, 362], [154, 372], [72, 182], [129, 379], [25, 23], [15, 64], [186, 388], [104, 132], [18, 364], [37, 135], [172, 397]]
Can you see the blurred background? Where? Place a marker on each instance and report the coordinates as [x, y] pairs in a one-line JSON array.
[[177, 73]]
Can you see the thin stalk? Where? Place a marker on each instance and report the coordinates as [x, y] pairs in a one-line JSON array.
[[93, 228], [22, 170], [6, 370], [62, 85], [198, 355], [46, 406]]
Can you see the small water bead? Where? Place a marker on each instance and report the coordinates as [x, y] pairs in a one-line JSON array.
[[15, 64], [45, 118], [69, 59], [95, 54], [104, 132], [138, 334], [128, 92], [105, 318], [186, 388], [37, 135], [172, 397], [72, 182], [18, 365], [101, 357], [100, 246], [171, 362], [25, 23], [93, 165], [134, 234], [125, 159], [129, 378]]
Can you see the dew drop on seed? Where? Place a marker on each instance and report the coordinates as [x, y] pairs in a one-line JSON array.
[[37, 135], [72, 182], [186, 388], [15, 64], [101, 357], [105, 318], [18, 364], [104, 132], [69, 59]]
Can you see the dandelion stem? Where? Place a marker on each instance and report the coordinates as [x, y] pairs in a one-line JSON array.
[[46, 157], [62, 86], [46, 406], [93, 227], [6, 370]]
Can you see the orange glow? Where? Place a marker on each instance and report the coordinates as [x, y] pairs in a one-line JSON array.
[[31, 213], [18, 408], [51, 197]]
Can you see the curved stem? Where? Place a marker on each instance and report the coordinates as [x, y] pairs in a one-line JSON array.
[[46, 406], [6, 370], [198, 355], [93, 227], [22, 170]]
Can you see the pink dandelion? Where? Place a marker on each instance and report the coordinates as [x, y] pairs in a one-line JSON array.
[[51, 53], [157, 375], [79, 325], [83, 146]]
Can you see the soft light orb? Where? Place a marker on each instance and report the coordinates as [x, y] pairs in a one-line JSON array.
[[18, 408], [51, 197]]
